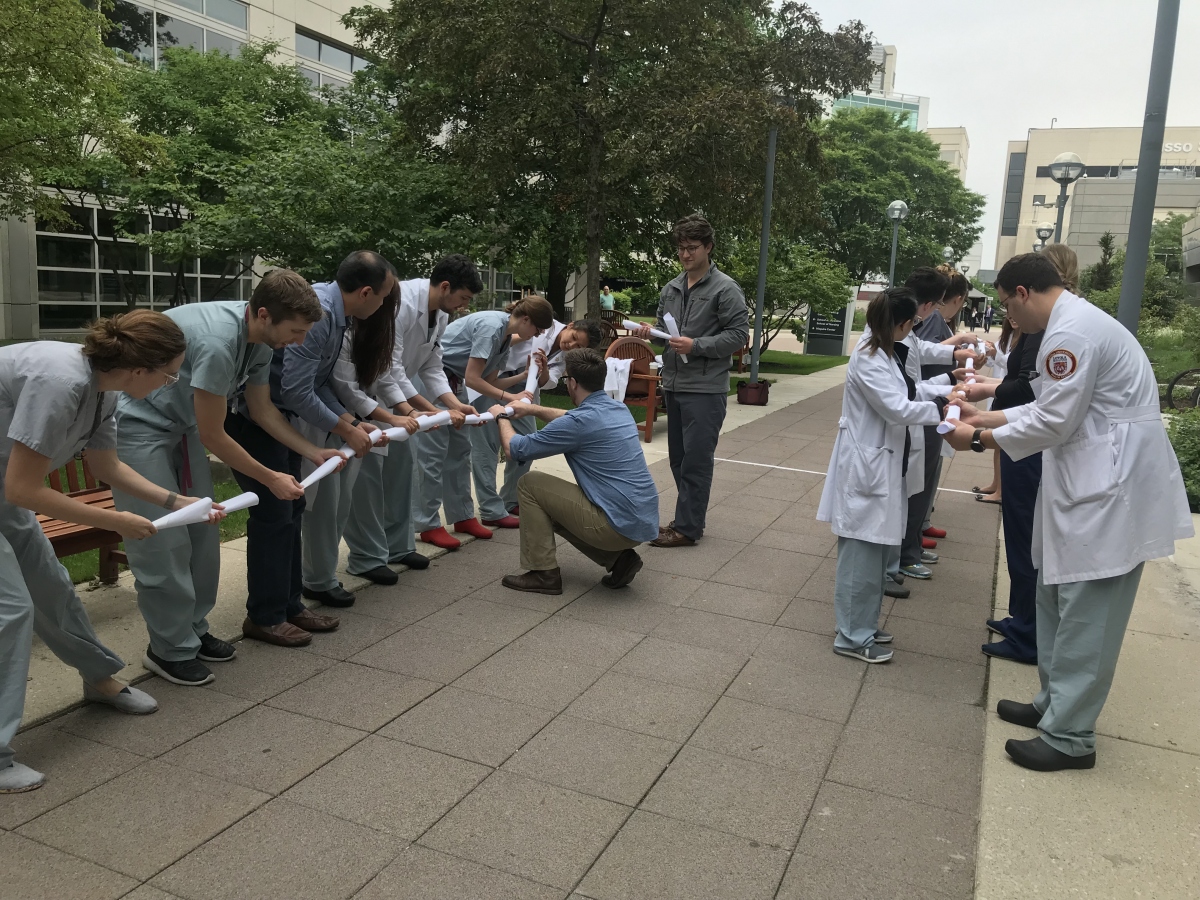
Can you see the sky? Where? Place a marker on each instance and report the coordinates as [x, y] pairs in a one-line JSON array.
[[1001, 67]]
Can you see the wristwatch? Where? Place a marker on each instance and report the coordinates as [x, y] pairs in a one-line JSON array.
[[976, 443]]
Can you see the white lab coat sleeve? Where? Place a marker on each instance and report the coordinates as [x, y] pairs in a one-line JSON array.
[[938, 386], [399, 376], [936, 354], [1070, 368], [892, 404], [345, 383], [557, 367], [433, 374]]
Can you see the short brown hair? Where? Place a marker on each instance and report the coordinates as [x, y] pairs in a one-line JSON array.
[[286, 295], [693, 228], [587, 366], [1031, 271], [537, 307], [139, 339]]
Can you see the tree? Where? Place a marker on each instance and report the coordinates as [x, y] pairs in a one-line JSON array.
[[58, 90], [1162, 292], [1098, 277], [1166, 242], [599, 120], [872, 158]]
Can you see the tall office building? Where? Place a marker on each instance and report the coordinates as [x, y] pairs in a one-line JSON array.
[[881, 92]]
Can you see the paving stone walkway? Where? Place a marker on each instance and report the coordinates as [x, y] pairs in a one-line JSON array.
[[692, 736]]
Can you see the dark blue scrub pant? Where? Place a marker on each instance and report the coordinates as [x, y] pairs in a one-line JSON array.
[[1019, 480]]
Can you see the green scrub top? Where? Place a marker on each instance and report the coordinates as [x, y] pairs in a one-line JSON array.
[[480, 335]]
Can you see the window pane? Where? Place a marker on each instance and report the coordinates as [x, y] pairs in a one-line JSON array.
[[312, 75], [109, 224], [124, 257], [218, 289], [79, 222], [119, 290], [132, 31], [56, 287], [228, 11], [178, 33], [247, 288], [335, 83], [360, 63], [194, 5], [166, 223], [307, 47], [168, 266], [65, 318], [335, 57], [64, 253], [217, 41], [218, 266]]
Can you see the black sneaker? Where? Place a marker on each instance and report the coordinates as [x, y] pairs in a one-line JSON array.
[[413, 560], [188, 672], [337, 596], [213, 649]]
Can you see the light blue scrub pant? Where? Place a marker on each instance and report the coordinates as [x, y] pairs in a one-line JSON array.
[[444, 473], [36, 595], [176, 571], [858, 592], [380, 527], [326, 512], [1080, 627], [485, 450]]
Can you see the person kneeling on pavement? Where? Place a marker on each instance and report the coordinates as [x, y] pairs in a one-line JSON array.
[[612, 507]]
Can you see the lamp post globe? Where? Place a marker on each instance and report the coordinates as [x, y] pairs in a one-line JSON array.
[[1066, 169], [948, 255], [1044, 232], [897, 211]]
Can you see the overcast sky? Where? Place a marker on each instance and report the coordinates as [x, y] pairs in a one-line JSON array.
[[1001, 67]]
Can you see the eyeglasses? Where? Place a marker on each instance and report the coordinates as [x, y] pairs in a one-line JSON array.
[[172, 378], [690, 249]]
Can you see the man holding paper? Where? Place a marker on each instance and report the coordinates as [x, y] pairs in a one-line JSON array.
[[706, 309], [167, 437], [612, 507]]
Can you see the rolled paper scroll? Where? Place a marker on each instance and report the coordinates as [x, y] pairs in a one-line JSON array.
[[669, 321], [531, 377], [398, 435], [953, 412], [426, 422], [326, 468], [241, 501], [481, 418], [192, 514], [654, 332]]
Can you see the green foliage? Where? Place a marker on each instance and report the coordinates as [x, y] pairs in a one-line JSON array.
[[1098, 278], [1162, 294], [871, 160], [1166, 242], [1185, 438]]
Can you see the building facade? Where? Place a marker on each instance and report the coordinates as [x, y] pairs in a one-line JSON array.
[[55, 280], [1101, 200]]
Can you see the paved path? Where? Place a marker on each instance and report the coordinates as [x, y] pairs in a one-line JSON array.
[[691, 736]]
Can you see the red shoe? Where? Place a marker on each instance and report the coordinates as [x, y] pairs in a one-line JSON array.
[[473, 528], [506, 522], [932, 532], [440, 537], [515, 511], [928, 544]]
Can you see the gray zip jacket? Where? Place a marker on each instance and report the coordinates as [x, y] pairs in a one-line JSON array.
[[715, 317]]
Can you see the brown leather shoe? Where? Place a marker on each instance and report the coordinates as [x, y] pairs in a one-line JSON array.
[[285, 634], [672, 539], [547, 581], [311, 621]]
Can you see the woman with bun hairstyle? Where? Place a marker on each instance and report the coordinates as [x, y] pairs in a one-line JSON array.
[[865, 497], [474, 348], [56, 400]]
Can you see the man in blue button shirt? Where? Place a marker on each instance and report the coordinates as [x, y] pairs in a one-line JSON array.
[[611, 509]]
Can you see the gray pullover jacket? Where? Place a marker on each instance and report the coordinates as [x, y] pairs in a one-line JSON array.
[[715, 317]]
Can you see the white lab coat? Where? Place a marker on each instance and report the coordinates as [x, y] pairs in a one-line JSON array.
[[1112, 495], [862, 494], [922, 352], [418, 349]]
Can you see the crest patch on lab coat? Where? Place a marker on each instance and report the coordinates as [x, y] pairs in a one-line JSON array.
[[1060, 363]]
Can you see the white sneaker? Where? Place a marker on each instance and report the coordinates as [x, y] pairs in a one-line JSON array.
[[17, 779], [129, 700]]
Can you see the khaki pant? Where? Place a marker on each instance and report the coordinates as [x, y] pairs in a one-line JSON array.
[[550, 505]]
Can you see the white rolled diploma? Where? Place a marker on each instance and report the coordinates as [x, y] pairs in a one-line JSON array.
[[397, 435], [654, 332], [325, 468], [481, 418], [192, 514], [531, 378], [426, 422], [669, 321], [241, 501], [953, 412]]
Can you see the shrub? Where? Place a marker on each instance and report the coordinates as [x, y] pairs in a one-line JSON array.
[[1185, 438]]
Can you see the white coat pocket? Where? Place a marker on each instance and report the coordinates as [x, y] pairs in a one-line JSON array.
[[868, 475], [1087, 473]]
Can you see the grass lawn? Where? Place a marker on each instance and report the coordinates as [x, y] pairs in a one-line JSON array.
[[86, 566], [1169, 354]]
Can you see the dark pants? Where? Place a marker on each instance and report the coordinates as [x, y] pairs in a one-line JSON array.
[[693, 426], [273, 576], [920, 504], [1019, 482]]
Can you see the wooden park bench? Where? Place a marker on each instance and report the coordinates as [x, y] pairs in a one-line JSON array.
[[68, 538]]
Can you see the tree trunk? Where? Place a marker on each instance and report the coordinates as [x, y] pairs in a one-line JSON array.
[[595, 222], [559, 270]]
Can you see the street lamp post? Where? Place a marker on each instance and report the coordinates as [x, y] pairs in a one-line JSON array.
[[1044, 233], [1066, 169], [761, 293], [897, 211], [948, 255]]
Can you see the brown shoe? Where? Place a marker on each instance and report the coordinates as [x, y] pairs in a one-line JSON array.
[[547, 581], [628, 564], [672, 539], [285, 634], [311, 621]]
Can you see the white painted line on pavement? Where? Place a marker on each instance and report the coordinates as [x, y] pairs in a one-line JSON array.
[[742, 462]]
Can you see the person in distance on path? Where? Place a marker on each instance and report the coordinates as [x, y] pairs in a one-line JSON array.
[[1112, 497], [710, 312], [612, 507]]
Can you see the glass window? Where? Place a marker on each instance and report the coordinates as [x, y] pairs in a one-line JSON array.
[[79, 221], [335, 57], [307, 47], [334, 83], [360, 63], [65, 318], [218, 266], [124, 257], [217, 41], [167, 266], [64, 253], [119, 290], [58, 287], [312, 75], [178, 33], [247, 288], [228, 11], [132, 30], [110, 224], [218, 289], [194, 5]]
